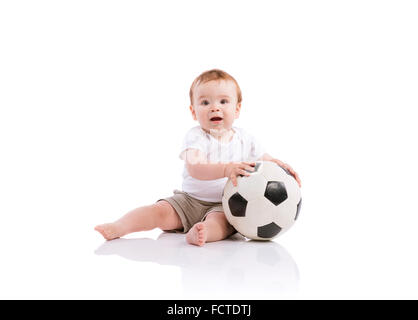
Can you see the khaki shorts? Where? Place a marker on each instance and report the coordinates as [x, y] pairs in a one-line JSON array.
[[191, 210]]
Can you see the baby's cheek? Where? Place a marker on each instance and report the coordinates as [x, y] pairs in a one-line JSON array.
[[229, 118]]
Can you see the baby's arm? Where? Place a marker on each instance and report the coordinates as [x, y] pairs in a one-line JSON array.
[[200, 169], [267, 157]]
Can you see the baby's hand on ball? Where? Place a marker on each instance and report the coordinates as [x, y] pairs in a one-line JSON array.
[[235, 169], [289, 169]]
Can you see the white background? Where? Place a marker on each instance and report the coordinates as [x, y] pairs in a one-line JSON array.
[[94, 107]]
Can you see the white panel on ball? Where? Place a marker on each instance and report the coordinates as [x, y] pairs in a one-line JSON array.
[[252, 188], [282, 216], [293, 190], [272, 171], [259, 213]]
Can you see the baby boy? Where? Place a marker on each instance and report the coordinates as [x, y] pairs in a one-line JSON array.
[[213, 152]]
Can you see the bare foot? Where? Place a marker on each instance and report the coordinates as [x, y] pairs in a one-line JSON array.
[[109, 231], [197, 234]]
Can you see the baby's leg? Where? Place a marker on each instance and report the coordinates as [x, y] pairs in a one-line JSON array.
[[158, 215], [215, 227]]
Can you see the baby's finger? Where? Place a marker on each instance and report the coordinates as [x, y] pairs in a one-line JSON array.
[[234, 180], [293, 173], [279, 163], [249, 168], [243, 172], [289, 168], [252, 164], [298, 179], [296, 176]]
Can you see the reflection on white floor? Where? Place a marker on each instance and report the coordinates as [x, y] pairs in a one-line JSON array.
[[233, 268]]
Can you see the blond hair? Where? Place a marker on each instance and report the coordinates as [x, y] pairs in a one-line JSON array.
[[214, 74]]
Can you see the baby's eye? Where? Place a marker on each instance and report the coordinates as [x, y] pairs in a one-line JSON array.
[[223, 101], [205, 102]]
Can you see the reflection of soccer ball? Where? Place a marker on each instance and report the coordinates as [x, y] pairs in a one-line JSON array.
[[263, 205]]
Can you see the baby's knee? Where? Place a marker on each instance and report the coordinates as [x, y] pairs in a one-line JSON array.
[[162, 209], [217, 215], [166, 215], [221, 220]]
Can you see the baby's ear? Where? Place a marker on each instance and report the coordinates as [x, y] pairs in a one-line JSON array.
[[193, 112], [237, 110]]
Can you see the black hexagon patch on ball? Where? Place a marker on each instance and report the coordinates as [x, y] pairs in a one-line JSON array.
[[237, 205], [268, 231], [276, 192], [298, 208]]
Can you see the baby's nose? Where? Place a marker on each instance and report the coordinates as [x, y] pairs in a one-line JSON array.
[[215, 108]]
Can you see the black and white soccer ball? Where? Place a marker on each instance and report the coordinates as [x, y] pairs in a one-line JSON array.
[[265, 204]]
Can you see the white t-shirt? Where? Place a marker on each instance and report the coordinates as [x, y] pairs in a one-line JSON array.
[[242, 147]]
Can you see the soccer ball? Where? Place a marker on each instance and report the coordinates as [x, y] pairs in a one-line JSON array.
[[263, 205]]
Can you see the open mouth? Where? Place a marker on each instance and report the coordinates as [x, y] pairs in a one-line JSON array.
[[216, 119]]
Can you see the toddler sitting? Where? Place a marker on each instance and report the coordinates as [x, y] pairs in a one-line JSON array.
[[213, 152]]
